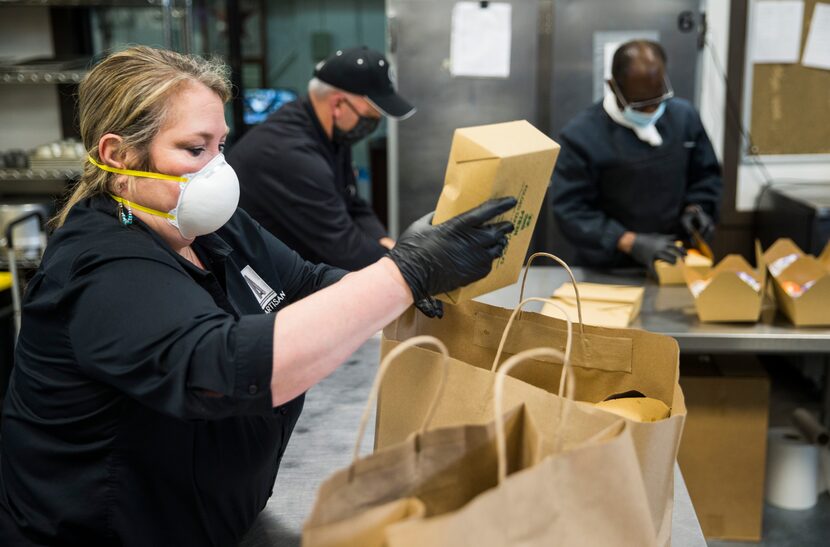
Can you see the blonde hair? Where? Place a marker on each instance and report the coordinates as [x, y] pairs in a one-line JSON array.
[[127, 94]]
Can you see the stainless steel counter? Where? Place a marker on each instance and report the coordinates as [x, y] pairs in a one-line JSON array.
[[670, 310]]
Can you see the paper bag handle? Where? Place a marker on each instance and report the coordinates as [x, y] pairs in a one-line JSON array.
[[562, 263], [498, 403], [568, 339], [384, 366]]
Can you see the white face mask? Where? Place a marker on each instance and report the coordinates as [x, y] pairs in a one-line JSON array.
[[207, 198]]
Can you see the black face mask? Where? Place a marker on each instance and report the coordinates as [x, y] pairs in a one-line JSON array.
[[364, 127]]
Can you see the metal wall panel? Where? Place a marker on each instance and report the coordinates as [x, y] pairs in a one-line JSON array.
[[420, 46], [552, 61], [575, 24]]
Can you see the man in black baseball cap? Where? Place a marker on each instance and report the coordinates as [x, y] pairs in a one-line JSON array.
[[295, 169], [363, 71]]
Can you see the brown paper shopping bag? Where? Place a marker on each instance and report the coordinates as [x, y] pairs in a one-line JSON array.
[[451, 483], [592, 494], [605, 361], [432, 472], [405, 398]]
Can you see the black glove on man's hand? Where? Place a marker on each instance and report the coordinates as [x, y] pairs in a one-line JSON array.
[[430, 307], [439, 259], [694, 218], [650, 247]]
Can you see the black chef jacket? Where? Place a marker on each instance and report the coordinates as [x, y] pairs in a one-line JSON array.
[[139, 410], [607, 181], [300, 186]]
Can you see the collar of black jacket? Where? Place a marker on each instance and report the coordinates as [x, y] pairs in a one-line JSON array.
[[212, 243], [318, 127]]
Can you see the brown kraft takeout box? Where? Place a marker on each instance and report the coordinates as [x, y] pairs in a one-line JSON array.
[[494, 161], [733, 291], [672, 274], [801, 282]]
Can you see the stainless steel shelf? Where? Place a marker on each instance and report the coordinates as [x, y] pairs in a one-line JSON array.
[[86, 3], [670, 310], [35, 182], [41, 77], [49, 188], [38, 174]]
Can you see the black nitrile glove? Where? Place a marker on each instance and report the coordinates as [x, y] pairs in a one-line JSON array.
[[650, 247], [430, 307], [442, 258], [694, 218]]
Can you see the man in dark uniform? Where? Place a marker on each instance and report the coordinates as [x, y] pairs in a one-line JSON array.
[[636, 171], [295, 170]]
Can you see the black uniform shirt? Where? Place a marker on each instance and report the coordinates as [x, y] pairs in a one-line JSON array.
[[300, 186], [608, 181], [139, 410]]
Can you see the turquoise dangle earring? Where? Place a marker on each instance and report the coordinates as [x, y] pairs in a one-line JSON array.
[[127, 219]]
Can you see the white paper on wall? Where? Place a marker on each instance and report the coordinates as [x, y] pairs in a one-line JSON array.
[[776, 31], [480, 40], [817, 49]]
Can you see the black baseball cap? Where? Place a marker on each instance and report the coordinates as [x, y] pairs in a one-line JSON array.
[[365, 72]]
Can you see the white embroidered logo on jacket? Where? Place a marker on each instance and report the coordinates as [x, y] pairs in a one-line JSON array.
[[266, 296]]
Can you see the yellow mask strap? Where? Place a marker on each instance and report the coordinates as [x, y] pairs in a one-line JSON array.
[[138, 207], [130, 172]]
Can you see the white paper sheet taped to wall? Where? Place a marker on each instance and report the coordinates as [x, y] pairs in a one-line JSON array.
[[480, 40], [776, 31], [817, 49]]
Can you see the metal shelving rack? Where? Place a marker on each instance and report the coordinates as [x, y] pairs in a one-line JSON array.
[[170, 8], [32, 182], [85, 3], [41, 77], [53, 181], [39, 174]]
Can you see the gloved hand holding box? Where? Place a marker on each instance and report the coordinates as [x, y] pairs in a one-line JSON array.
[[493, 161]]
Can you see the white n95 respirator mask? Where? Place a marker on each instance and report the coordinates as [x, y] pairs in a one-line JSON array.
[[207, 198]]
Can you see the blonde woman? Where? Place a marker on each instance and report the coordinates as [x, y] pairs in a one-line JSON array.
[[167, 340]]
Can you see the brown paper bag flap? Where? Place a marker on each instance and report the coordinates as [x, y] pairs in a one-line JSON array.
[[367, 529], [615, 355]]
